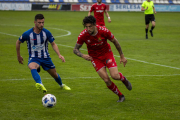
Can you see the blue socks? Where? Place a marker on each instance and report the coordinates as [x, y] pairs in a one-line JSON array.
[[58, 80], [36, 76]]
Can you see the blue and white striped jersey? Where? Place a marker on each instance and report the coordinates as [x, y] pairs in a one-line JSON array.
[[37, 44]]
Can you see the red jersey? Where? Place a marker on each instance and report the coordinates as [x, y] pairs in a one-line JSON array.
[[99, 13], [97, 45]]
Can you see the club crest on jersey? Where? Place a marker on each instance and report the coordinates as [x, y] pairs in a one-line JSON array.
[[88, 41], [102, 7], [99, 39]]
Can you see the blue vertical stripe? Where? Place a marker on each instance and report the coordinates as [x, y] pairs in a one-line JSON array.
[[46, 48], [35, 43], [29, 46]]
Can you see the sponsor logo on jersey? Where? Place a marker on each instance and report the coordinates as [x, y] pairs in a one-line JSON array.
[[100, 11], [37, 47]]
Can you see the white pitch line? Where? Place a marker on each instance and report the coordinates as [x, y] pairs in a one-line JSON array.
[[9, 34], [151, 63], [71, 47], [98, 77], [68, 32]]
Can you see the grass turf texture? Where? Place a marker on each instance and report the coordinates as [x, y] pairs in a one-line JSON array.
[[155, 94]]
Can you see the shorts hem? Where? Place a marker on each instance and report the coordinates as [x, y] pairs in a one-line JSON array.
[[100, 68]]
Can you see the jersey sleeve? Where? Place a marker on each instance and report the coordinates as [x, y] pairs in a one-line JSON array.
[[143, 4], [23, 37], [105, 7], [92, 8], [108, 34], [50, 37], [81, 38]]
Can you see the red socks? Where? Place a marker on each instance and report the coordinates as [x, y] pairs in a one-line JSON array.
[[114, 88], [121, 77]]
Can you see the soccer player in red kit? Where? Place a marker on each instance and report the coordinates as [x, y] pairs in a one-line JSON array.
[[100, 54], [99, 8]]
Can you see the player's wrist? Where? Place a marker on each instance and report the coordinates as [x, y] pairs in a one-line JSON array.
[[82, 55], [122, 56]]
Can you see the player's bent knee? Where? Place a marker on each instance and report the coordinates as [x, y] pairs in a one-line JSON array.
[[31, 67], [115, 76]]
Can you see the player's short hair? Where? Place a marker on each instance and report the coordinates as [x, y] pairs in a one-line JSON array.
[[39, 16], [89, 19]]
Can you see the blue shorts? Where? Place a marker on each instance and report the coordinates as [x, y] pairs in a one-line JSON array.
[[46, 63]]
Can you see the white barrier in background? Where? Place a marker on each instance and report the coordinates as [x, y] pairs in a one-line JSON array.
[[16, 6], [137, 7], [125, 7]]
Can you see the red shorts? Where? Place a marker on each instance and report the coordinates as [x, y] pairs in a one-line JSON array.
[[107, 60]]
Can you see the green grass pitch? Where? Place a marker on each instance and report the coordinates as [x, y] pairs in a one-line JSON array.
[[153, 68]]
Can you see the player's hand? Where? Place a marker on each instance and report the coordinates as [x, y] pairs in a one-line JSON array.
[[20, 59], [124, 60], [109, 20], [62, 58], [155, 12], [87, 57]]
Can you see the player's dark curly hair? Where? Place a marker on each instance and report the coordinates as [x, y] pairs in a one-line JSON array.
[[89, 19], [39, 16]]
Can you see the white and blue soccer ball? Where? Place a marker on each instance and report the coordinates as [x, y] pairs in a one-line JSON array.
[[49, 100]]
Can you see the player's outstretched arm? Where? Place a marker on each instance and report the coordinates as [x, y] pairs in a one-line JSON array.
[[78, 53], [89, 13], [118, 47], [19, 57], [56, 49], [107, 15], [154, 10]]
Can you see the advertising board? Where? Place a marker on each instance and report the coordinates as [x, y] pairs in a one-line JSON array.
[[51, 7], [16, 6]]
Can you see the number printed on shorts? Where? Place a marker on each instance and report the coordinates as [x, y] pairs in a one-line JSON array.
[[93, 64]]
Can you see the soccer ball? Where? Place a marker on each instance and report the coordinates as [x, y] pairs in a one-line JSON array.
[[49, 100]]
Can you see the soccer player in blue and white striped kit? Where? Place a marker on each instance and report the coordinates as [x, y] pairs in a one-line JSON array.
[[37, 39]]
